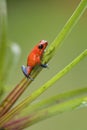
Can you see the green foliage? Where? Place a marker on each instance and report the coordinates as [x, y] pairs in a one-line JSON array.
[[9, 52], [49, 107]]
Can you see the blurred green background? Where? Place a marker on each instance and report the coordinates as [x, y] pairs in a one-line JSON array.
[[30, 21]]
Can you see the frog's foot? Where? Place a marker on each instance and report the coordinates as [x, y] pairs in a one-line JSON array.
[[25, 71], [44, 65]]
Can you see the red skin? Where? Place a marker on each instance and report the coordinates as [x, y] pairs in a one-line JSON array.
[[34, 58]]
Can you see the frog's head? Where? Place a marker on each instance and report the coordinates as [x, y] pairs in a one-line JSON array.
[[42, 45]]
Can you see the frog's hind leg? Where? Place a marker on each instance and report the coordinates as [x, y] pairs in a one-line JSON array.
[[27, 70], [24, 70]]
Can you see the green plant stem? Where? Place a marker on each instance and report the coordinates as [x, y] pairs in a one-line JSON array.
[[47, 56], [59, 98], [38, 92], [3, 43], [47, 112], [10, 99], [65, 31], [56, 109], [3, 38]]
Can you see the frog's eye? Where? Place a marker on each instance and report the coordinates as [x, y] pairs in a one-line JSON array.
[[40, 46]]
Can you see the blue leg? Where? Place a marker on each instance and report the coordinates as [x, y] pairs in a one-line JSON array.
[[24, 70], [44, 65]]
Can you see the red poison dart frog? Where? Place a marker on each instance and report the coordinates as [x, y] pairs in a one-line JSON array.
[[34, 58]]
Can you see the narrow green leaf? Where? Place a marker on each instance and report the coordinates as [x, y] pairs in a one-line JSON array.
[[3, 33], [65, 31], [3, 42], [59, 98]]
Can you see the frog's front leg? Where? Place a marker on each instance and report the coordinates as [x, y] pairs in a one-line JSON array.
[[44, 65]]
